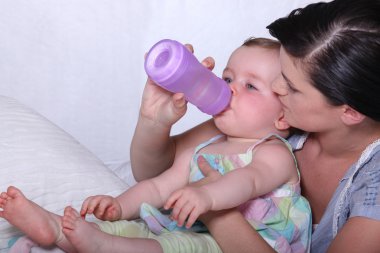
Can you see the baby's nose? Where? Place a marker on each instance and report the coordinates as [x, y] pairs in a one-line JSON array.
[[234, 88]]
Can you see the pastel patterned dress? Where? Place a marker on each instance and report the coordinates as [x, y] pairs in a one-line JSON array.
[[282, 217]]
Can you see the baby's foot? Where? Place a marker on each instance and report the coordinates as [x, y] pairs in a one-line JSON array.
[[84, 236], [37, 223], [87, 237]]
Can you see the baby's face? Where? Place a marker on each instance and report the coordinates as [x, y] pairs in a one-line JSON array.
[[254, 107]]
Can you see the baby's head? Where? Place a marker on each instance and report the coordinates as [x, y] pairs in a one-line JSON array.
[[254, 111]]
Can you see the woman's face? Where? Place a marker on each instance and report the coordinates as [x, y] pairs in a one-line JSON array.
[[304, 106]]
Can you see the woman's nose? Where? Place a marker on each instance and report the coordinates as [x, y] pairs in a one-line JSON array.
[[278, 86]]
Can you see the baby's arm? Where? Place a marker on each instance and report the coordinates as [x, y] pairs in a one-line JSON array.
[[154, 191], [273, 165]]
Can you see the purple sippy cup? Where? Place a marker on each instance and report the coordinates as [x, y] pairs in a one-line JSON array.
[[173, 67]]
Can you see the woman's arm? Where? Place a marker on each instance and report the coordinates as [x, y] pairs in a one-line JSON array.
[[153, 149], [233, 233], [359, 234], [229, 228]]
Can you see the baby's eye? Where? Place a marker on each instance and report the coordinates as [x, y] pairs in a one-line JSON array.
[[227, 80], [250, 86]]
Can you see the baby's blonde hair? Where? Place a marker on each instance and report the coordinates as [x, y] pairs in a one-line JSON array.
[[262, 42]]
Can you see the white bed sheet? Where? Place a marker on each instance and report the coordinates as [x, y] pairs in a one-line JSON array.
[[48, 165]]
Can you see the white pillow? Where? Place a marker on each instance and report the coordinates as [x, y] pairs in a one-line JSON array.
[[47, 164]]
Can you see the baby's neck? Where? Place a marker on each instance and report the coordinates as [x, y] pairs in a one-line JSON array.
[[239, 139]]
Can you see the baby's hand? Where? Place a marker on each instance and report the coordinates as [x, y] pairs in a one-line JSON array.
[[188, 203], [103, 207]]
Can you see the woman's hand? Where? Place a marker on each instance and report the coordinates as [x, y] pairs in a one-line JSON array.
[[161, 106], [164, 107], [153, 149], [210, 174]]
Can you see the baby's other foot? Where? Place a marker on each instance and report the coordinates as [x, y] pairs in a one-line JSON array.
[[37, 223], [84, 236]]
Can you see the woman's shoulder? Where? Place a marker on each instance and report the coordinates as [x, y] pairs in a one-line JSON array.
[[365, 181], [369, 161], [297, 140]]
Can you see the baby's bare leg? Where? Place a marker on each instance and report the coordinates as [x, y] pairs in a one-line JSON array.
[[40, 225], [87, 238]]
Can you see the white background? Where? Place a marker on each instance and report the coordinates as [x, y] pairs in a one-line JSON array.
[[80, 62]]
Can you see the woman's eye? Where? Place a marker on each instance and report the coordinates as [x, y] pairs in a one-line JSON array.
[[227, 80], [290, 88], [250, 86]]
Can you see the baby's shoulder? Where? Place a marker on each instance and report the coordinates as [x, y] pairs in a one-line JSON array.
[[274, 151]]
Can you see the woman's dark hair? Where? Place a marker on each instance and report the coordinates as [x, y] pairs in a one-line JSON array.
[[339, 44]]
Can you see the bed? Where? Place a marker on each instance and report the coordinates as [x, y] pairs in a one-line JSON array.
[[71, 79]]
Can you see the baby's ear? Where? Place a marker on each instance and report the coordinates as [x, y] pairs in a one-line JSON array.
[[280, 123], [351, 116]]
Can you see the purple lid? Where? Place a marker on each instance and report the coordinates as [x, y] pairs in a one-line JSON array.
[[164, 61]]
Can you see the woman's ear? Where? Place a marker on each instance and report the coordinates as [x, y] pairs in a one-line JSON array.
[[351, 116], [281, 123]]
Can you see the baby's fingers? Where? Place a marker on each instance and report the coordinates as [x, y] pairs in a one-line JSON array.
[[183, 213], [172, 199], [192, 218], [84, 209], [91, 204], [102, 206]]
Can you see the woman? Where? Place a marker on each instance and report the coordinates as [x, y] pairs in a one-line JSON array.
[[330, 58]]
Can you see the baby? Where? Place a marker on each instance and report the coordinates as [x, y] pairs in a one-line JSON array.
[[260, 177]]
